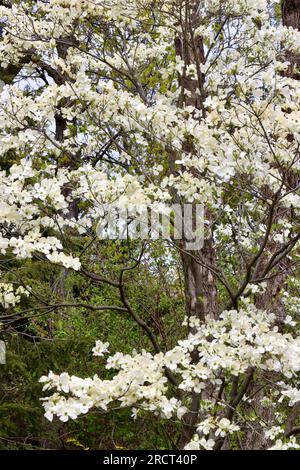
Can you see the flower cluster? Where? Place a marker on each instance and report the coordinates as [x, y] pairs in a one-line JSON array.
[[9, 296], [228, 347]]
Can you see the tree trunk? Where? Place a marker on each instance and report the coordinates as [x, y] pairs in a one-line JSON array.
[[290, 11], [199, 281]]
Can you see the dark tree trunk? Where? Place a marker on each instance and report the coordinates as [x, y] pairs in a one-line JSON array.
[[199, 281], [290, 11]]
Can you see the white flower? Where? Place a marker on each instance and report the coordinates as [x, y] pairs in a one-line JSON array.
[[289, 321], [200, 443], [292, 393], [206, 426], [100, 349], [273, 432], [289, 444], [225, 427], [134, 413]]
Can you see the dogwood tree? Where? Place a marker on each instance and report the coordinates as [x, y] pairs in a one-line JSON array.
[[147, 102]]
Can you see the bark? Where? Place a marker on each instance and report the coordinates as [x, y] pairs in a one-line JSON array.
[[199, 281], [290, 11], [271, 299], [59, 283]]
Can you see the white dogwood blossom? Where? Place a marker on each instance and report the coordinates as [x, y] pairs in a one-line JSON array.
[[109, 113], [229, 346], [10, 296], [280, 445], [100, 348]]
